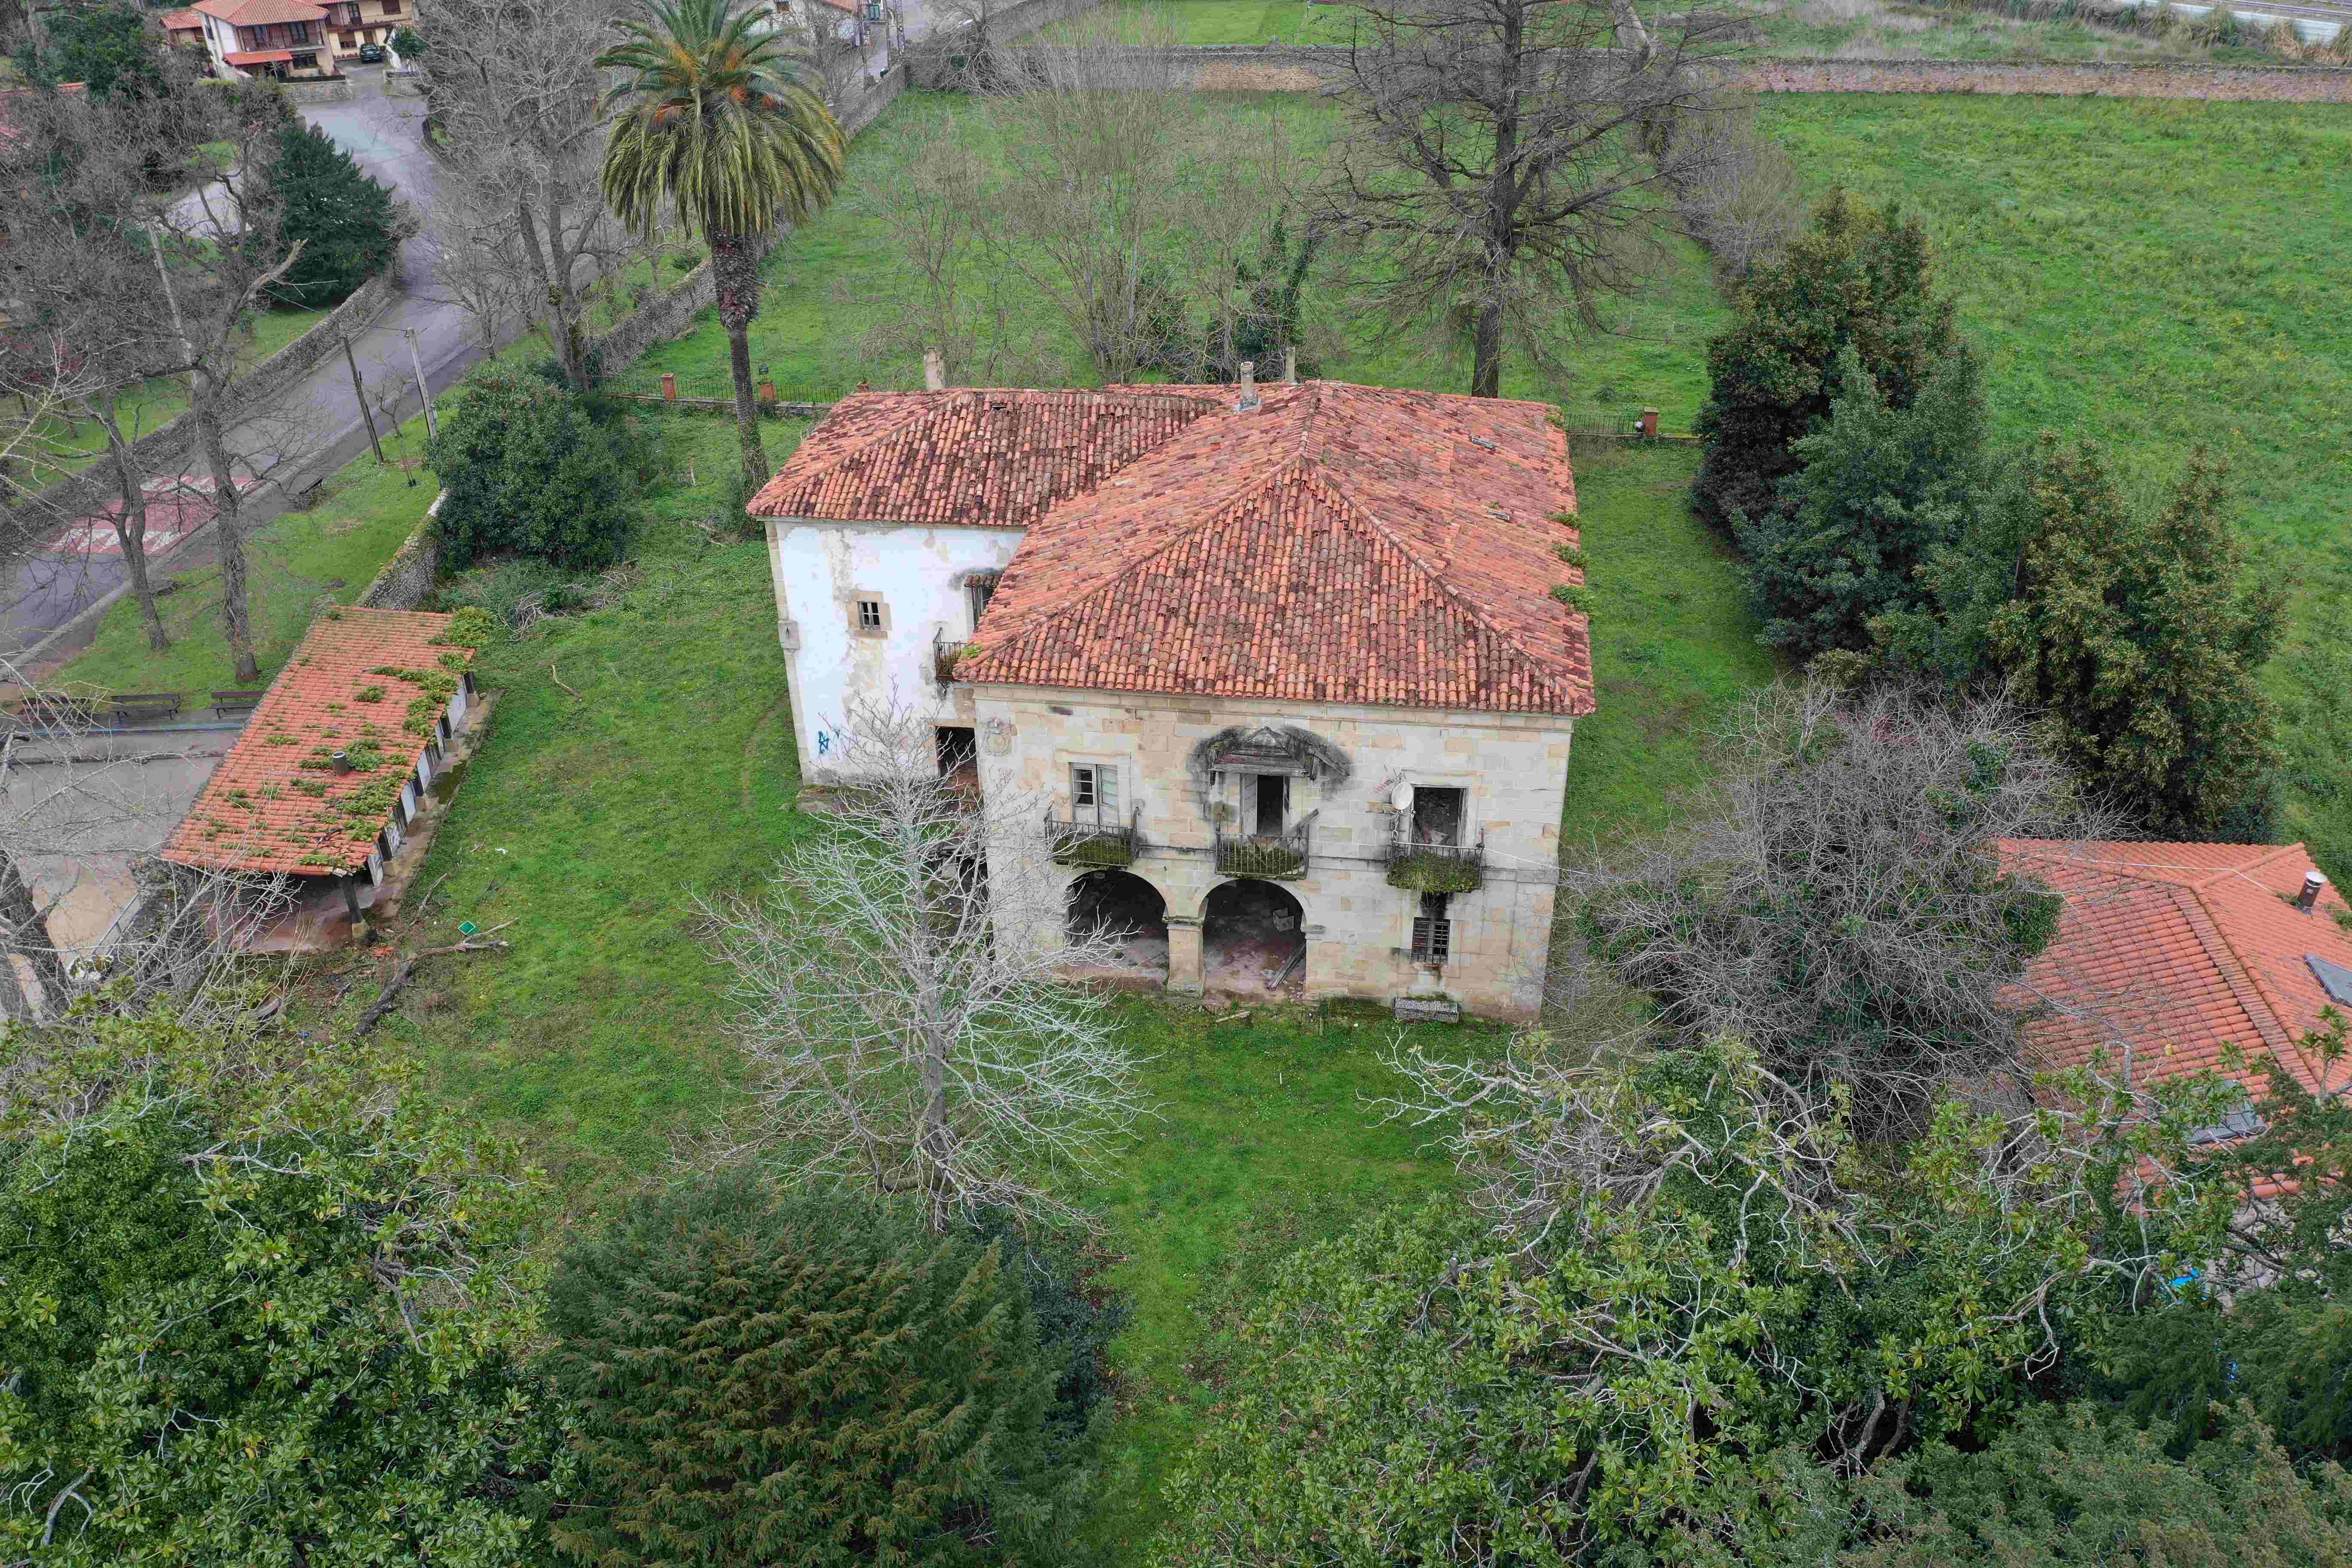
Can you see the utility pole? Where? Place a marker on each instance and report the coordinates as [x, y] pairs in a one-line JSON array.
[[360, 392], [432, 425]]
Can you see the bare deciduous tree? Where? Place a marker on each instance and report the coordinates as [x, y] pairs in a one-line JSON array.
[[1842, 907], [1511, 164], [514, 88], [906, 1017]]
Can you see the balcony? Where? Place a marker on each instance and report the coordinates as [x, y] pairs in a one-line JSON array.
[[1422, 867], [1278, 857], [1093, 844], [944, 657]]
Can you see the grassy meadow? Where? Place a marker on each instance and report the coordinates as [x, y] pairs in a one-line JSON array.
[[2152, 274]]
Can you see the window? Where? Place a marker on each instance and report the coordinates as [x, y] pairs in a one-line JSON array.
[[1433, 930], [979, 588], [869, 615], [1094, 792], [1436, 816], [306, 62]]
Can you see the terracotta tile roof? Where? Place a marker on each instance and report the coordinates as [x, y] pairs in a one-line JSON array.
[[1338, 544], [2180, 950], [258, 57], [182, 21], [969, 457], [258, 812], [261, 13]]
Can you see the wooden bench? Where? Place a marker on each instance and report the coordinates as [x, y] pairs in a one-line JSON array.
[[143, 705], [227, 702]]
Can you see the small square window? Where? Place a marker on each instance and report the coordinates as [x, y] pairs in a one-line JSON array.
[[869, 615], [1094, 792]]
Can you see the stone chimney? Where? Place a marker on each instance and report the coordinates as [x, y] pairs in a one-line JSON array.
[[1249, 398], [2308, 900], [1289, 365], [935, 371]]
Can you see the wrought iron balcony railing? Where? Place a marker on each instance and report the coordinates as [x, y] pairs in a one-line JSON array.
[[1276, 856], [1435, 868], [1097, 844]]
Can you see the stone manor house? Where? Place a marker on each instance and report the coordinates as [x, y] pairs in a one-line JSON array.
[[1283, 661]]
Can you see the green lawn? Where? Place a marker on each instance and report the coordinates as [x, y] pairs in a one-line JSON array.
[[69, 445], [1878, 29], [364, 512]]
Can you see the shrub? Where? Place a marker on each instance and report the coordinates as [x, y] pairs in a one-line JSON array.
[[806, 1380], [342, 219], [2139, 637], [1880, 492], [1859, 276], [531, 469], [259, 1309]]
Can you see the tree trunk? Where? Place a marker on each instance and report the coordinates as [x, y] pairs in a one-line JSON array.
[[27, 929], [236, 614], [555, 288], [737, 273], [131, 527], [1486, 352]]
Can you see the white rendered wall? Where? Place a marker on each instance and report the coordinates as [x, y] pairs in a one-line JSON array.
[[821, 569]]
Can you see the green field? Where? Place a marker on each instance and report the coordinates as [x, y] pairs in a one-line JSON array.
[[331, 550], [1875, 29]]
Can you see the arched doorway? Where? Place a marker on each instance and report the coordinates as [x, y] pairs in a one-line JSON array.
[[1253, 940], [1131, 913]]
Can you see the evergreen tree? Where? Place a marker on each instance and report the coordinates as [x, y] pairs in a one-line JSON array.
[[1882, 490], [2140, 638], [531, 468], [109, 48], [342, 219], [806, 1380], [1860, 276]]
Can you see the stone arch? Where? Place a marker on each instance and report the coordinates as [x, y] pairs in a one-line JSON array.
[[1123, 906], [1253, 939]]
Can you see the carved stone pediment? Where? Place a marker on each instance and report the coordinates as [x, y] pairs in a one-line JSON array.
[[1265, 750]]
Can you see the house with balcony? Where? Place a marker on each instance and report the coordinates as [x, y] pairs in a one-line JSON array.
[[283, 38], [1281, 667], [357, 22]]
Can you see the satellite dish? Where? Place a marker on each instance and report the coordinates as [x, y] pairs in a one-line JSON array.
[[1400, 798]]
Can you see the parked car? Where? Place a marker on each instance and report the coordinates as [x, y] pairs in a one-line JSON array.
[[371, 54]]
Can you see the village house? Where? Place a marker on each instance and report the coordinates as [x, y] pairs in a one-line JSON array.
[[1283, 665], [2171, 954], [285, 38]]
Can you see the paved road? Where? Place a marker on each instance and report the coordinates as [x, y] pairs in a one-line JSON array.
[[314, 427]]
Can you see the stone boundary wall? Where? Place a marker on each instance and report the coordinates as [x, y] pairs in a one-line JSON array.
[[341, 89], [409, 576], [1292, 67], [2237, 84], [162, 449]]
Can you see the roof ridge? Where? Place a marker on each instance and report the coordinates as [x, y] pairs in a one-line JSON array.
[[1435, 572], [2270, 853], [1182, 532], [2235, 974]]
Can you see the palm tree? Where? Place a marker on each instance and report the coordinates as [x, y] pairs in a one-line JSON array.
[[712, 121]]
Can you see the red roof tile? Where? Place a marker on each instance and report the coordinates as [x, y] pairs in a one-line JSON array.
[[182, 21], [258, 812], [258, 57], [1338, 544], [969, 457], [261, 13], [2180, 950]]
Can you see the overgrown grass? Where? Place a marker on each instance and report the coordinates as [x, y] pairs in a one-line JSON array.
[[845, 274], [329, 552], [1674, 643]]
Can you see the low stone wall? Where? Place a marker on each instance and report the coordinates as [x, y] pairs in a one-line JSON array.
[[302, 94], [857, 113], [2245, 84], [656, 321], [165, 449], [408, 576]]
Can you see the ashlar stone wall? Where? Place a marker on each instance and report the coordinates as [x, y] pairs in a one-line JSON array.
[[1512, 767]]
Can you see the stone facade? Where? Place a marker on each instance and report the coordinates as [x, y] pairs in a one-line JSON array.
[[1358, 929]]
